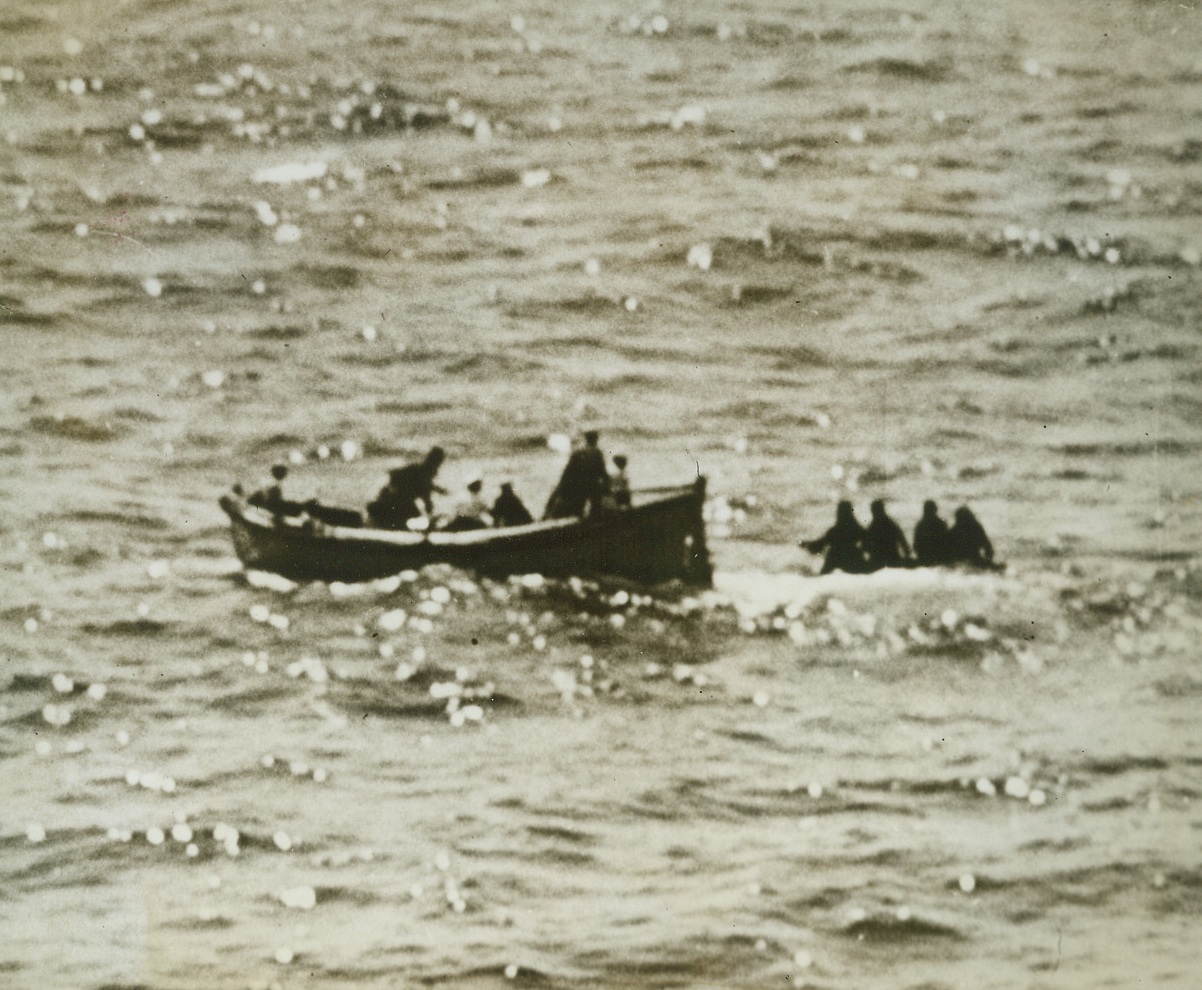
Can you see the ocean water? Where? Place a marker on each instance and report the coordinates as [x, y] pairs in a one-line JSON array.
[[815, 251]]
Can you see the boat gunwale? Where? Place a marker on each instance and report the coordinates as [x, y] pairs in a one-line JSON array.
[[239, 509]]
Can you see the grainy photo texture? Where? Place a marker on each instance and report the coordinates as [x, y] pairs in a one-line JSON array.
[[635, 494]]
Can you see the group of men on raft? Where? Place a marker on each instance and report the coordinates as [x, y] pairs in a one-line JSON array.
[[585, 487], [857, 549]]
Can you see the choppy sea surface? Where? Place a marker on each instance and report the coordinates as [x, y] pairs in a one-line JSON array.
[[814, 250]]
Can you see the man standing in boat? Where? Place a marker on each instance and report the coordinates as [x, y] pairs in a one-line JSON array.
[[583, 484], [409, 493]]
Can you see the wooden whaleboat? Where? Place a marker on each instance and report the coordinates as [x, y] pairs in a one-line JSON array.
[[659, 538]]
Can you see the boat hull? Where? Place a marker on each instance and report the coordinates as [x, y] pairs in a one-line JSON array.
[[660, 538]]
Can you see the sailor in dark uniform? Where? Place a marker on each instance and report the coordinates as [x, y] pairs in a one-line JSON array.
[[967, 542], [508, 509], [930, 537], [843, 543], [408, 494], [271, 498], [884, 541], [584, 482]]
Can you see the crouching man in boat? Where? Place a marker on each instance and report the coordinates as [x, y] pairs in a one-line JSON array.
[[409, 493], [271, 498], [508, 509], [583, 484], [843, 543], [967, 542], [884, 541], [472, 511]]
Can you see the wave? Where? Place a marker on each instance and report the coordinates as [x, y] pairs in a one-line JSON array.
[[249, 700], [586, 303], [698, 961], [330, 276], [1113, 766], [742, 294], [788, 357], [360, 358], [562, 833], [417, 407], [491, 177], [891, 930], [277, 332], [127, 627], [1134, 448], [904, 68], [690, 163], [74, 428], [16, 313], [487, 365]]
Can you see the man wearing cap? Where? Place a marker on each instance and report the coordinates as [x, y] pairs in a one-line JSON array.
[[408, 494], [583, 484]]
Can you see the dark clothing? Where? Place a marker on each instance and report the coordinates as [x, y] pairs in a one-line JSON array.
[[885, 543], [408, 494], [581, 486], [461, 523], [620, 489], [930, 541], [967, 542], [270, 498], [844, 546], [508, 510]]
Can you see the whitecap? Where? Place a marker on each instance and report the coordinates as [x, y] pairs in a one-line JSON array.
[[291, 172], [303, 898]]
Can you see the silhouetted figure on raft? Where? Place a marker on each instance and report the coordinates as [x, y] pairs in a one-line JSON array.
[[472, 511], [271, 498], [884, 541], [583, 484], [508, 509], [408, 494], [930, 537], [843, 543], [967, 542]]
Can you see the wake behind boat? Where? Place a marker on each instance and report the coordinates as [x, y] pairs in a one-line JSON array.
[[659, 538]]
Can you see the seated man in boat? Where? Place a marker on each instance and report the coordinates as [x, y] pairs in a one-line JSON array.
[[508, 509], [409, 493], [967, 542], [472, 511], [271, 498], [843, 543], [930, 537], [583, 484], [619, 483], [884, 541]]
